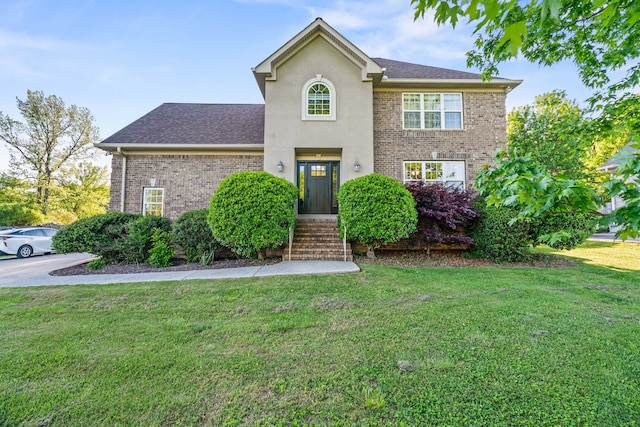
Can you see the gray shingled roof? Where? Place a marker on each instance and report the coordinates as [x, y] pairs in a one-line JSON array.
[[406, 70], [195, 124], [612, 163]]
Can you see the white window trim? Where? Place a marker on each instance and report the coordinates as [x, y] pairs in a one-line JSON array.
[[145, 203], [305, 100], [442, 110], [446, 168]]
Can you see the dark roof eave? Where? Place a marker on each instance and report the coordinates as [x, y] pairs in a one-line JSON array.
[[120, 147]]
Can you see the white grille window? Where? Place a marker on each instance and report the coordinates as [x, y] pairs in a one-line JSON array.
[[153, 201], [450, 173], [432, 110]]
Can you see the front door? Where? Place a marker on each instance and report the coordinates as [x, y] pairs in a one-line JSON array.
[[318, 187]]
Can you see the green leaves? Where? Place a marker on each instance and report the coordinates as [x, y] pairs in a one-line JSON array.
[[524, 185], [252, 211], [376, 210]]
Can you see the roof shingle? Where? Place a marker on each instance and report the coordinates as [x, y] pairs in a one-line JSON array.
[[406, 70], [195, 124]]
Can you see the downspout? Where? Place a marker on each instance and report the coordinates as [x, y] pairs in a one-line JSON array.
[[123, 179]]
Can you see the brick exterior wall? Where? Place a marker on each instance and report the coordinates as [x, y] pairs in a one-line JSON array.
[[189, 181], [484, 123]]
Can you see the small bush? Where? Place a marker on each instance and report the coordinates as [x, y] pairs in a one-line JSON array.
[[192, 232], [253, 211], [444, 213], [376, 210], [135, 247], [96, 264], [499, 241], [161, 251], [97, 235]]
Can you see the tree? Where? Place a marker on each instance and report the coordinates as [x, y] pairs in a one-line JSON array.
[[598, 36], [553, 131], [445, 214], [51, 136], [526, 186]]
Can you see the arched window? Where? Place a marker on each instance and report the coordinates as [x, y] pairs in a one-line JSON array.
[[318, 100]]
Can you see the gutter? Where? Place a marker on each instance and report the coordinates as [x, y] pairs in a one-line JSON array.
[[123, 184]]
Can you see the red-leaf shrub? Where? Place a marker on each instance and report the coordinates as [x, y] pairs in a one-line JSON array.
[[444, 213]]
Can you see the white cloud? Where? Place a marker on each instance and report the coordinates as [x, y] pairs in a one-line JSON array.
[[12, 40]]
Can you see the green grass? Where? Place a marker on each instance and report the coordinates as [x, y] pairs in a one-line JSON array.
[[389, 346]]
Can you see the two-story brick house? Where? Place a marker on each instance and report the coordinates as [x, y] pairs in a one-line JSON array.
[[331, 113]]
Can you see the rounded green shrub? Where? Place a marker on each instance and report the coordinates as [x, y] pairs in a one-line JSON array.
[[192, 232], [253, 211], [498, 240], [376, 210]]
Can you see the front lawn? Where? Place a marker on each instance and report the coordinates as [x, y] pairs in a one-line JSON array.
[[389, 346]]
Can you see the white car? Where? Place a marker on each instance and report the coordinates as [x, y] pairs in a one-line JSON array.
[[24, 242]]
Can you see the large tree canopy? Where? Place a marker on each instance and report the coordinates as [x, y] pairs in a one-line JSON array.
[[50, 137], [553, 131], [599, 37]]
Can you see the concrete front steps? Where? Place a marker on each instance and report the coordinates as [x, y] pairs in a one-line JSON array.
[[317, 239]]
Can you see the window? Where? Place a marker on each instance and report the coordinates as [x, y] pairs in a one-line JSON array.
[[432, 110], [153, 202], [450, 173], [318, 99]]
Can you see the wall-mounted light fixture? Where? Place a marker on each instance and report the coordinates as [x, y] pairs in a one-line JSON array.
[[280, 166], [434, 155], [356, 166]]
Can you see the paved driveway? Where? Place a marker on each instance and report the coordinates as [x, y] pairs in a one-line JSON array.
[[31, 271]]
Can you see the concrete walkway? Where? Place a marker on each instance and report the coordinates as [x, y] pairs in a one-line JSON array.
[[284, 268]]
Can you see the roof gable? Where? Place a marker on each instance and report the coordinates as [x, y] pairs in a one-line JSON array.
[[267, 69], [192, 125]]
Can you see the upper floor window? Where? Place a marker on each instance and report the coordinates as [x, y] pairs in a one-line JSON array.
[[432, 110], [449, 173], [153, 201], [318, 99]]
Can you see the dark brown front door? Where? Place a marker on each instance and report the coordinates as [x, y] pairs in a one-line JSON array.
[[318, 187]]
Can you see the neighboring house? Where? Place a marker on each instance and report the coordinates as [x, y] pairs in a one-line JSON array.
[[611, 167], [331, 113]]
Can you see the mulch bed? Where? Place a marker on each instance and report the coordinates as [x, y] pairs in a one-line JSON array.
[[412, 259], [179, 264]]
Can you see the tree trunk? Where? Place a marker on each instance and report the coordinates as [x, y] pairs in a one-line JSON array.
[[370, 252]]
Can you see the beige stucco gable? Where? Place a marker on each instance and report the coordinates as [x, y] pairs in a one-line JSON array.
[[267, 70]]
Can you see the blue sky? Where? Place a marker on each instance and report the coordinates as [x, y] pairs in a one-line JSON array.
[[121, 59]]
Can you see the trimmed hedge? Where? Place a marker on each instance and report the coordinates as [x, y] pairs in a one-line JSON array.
[[563, 230], [192, 232], [95, 234], [499, 241], [376, 210], [253, 211], [116, 237]]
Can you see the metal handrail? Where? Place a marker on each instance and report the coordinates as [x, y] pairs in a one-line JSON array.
[[290, 241], [344, 240]]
